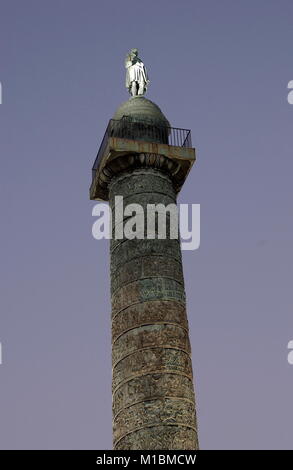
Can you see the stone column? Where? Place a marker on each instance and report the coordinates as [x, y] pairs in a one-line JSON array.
[[153, 396]]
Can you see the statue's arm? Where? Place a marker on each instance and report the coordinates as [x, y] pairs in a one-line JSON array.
[[128, 61]]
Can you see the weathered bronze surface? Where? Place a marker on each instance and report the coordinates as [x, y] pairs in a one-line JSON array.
[[153, 395]]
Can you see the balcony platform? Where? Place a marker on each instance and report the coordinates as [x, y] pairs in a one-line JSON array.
[[117, 154]]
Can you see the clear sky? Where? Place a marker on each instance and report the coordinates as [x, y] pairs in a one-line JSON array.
[[220, 68]]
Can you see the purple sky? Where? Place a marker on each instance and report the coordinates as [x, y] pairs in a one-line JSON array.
[[218, 68]]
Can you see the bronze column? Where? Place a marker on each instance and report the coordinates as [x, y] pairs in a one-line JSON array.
[[153, 396], [144, 160]]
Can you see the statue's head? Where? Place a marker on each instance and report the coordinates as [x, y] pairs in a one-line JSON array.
[[134, 52]]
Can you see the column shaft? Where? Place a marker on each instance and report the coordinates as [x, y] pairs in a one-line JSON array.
[[153, 395]]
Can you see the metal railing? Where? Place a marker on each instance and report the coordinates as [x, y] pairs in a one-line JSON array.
[[127, 128]]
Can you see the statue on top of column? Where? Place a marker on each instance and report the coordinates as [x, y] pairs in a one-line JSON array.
[[136, 74]]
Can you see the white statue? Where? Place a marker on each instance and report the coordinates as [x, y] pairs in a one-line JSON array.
[[136, 74]]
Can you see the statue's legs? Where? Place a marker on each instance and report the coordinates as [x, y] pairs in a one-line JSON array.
[[140, 85], [134, 88], [141, 89]]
